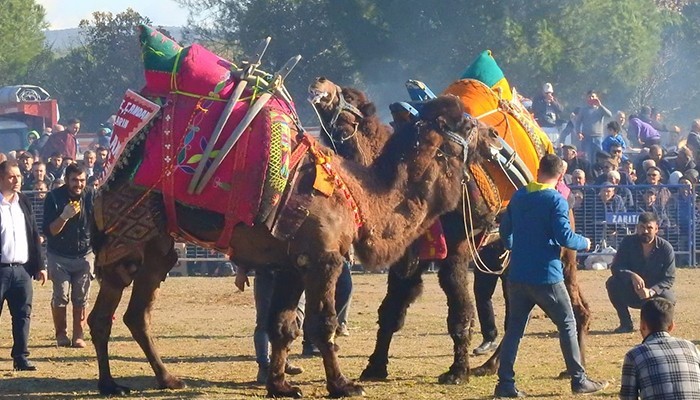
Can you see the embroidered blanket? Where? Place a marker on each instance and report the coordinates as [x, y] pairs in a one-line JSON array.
[[194, 85]]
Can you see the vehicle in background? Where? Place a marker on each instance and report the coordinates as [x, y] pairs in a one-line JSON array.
[[24, 108]]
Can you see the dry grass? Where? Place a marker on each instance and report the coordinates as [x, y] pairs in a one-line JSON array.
[[204, 331]]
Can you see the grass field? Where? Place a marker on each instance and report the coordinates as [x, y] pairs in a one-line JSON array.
[[204, 328]]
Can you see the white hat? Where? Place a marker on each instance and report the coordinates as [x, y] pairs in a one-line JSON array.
[[547, 88], [674, 177]]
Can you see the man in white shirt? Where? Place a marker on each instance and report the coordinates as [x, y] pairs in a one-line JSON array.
[[20, 260]]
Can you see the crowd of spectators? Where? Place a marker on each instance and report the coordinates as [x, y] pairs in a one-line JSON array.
[[621, 164], [43, 162]]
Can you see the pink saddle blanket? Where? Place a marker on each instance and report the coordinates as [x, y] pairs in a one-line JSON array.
[[252, 176]]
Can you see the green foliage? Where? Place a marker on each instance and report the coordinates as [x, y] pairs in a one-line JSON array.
[[90, 80], [22, 38], [575, 44]]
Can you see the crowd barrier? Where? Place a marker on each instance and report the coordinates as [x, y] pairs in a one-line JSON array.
[[604, 223], [607, 223]]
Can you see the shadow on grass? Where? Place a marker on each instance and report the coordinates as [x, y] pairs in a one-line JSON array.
[[609, 333], [26, 387], [178, 337], [166, 360]]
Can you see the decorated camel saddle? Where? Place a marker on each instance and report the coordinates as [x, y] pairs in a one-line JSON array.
[[213, 135], [488, 97]]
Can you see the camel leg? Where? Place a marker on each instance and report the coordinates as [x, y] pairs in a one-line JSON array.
[[138, 314], [320, 281], [582, 310], [454, 281], [100, 323], [283, 328], [401, 293]]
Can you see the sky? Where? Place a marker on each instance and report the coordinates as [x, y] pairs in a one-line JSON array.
[[64, 14]]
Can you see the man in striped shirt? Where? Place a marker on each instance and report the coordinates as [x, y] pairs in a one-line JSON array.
[[662, 367]]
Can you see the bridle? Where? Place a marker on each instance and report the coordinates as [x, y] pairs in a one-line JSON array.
[[451, 135], [315, 97]]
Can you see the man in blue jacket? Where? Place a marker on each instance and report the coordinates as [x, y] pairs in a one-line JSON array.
[[535, 226]]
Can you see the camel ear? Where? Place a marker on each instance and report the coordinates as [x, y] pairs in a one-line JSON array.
[[368, 109]]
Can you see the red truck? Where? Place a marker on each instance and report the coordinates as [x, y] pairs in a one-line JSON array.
[[24, 108]]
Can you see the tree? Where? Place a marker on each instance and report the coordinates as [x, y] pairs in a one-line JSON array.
[[614, 47], [91, 79], [22, 38]]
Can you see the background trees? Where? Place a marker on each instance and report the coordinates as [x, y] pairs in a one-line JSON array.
[[633, 51], [21, 36], [630, 50], [91, 79]]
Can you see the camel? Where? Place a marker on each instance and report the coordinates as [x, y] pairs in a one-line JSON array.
[[405, 284], [417, 177]]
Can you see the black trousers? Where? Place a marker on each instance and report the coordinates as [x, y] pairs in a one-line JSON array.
[[623, 297], [16, 288], [484, 287]]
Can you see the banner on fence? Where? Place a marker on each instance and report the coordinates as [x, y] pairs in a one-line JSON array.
[[626, 218]]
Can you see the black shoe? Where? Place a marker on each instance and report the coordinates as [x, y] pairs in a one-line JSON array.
[[309, 350], [485, 348], [263, 370], [510, 393], [624, 329], [589, 386], [22, 364], [291, 369]]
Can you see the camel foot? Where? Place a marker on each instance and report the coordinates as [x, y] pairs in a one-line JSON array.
[[171, 382], [111, 388], [484, 370], [345, 388], [374, 373], [453, 377], [283, 390]]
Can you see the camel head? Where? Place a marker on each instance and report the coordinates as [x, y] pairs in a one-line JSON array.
[[348, 118], [444, 118]]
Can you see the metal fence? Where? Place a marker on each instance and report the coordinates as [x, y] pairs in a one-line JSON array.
[[192, 260], [605, 221], [606, 214]]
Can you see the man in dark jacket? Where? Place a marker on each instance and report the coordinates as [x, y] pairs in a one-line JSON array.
[[20, 260], [644, 267], [67, 214], [535, 226]]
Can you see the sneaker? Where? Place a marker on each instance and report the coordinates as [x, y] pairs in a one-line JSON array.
[[342, 330], [263, 371], [485, 348], [624, 329], [589, 386], [291, 369], [509, 393]]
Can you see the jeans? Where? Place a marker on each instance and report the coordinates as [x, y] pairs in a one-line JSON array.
[[622, 296], [554, 300], [262, 291], [592, 145], [484, 286], [343, 293], [16, 288]]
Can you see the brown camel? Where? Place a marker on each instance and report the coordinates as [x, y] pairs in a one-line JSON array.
[[416, 178], [345, 128]]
